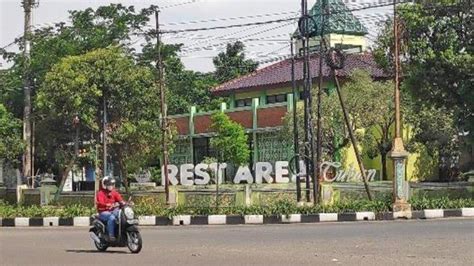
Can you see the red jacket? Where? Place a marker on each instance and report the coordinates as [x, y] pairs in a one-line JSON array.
[[105, 199]]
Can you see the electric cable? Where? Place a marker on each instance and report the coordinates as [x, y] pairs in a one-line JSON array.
[[228, 19]]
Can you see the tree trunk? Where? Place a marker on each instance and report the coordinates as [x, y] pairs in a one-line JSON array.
[[383, 157], [384, 148], [443, 167], [63, 176], [123, 171]]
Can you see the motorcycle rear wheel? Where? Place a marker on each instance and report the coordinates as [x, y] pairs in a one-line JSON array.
[[101, 246], [134, 242]]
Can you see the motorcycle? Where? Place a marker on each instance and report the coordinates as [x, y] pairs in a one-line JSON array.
[[126, 233]]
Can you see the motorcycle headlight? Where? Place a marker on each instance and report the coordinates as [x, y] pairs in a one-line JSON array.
[[128, 213]]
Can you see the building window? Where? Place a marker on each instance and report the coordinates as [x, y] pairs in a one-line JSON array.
[[243, 102], [279, 98]]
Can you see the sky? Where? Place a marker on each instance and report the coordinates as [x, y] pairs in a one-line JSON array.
[[264, 43]]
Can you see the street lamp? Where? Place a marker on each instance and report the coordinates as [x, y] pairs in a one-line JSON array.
[[401, 207]]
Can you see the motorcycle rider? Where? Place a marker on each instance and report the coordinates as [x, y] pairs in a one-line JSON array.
[[108, 199]]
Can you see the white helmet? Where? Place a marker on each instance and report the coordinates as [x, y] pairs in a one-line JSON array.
[[108, 181]]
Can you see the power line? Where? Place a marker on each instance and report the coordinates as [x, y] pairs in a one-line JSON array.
[[229, 19], [213, 48], [179, 4], [8, 45], [231, 26], [274, 59], [220, 37], [370, 6], [244, 30], [273, 21], [277, 50], [207, 47], [243, 37], [374, 17]]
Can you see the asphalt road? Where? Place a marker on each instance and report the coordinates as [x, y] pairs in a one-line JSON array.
[[425, 242]]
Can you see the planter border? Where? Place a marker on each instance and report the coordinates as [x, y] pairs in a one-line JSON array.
[[178, 220]]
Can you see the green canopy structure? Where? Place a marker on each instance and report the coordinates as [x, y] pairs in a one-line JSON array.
[[339, 19]]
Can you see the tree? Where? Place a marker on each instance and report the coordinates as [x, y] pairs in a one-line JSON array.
[[438, 52], [190, 88], [374, 112], [78, 85], [335, 136], [90, 29], [230, 144], [112, 25], [437, 66], [232, 63], [435, 129], [184, 88], [370, 105], [230, 141], [11, 144]]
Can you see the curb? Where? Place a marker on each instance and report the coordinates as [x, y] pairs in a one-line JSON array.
[[178, 220]]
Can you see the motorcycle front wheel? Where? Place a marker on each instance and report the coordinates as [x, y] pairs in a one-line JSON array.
[[134, 241]]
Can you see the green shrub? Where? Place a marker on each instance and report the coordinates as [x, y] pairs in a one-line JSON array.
[[280, 207], [421, 203]]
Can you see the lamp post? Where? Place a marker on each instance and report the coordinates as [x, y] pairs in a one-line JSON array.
[[398, 154]]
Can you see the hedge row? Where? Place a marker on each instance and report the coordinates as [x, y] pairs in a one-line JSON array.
[[278, 208]]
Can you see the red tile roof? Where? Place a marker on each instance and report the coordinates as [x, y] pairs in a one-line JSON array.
[[280, 73]]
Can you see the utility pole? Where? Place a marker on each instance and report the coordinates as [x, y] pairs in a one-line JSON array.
[[28, 5], [309, 78], [295, 124], [306, 94], [401, 207], [104, 133], [322, 51], [164, 124]]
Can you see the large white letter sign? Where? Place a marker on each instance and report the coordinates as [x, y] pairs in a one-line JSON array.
[[243, 173], [371, 173], [200, 171], [263, 170], [325, 166], [172, 173], [302, 173], [281, 172], [186, 174], [220, 172]]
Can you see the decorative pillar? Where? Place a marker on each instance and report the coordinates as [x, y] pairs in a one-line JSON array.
[[289, 102], [263, 98], [401, 207], [223, 106], [232, 101]]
